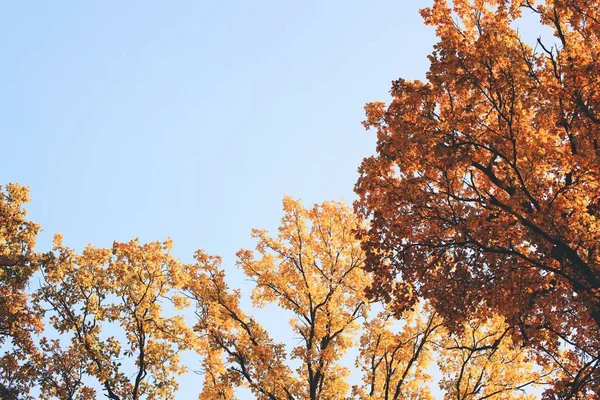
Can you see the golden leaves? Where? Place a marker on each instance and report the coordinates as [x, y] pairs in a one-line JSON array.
[[395, 355], [311, 268], [484, 361], [124, 286], [18, 262]]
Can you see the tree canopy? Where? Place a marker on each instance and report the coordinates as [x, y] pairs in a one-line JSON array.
[[18, 262], [483, 195], [116, 321]]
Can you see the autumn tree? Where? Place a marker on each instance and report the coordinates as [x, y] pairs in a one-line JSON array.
[[107, 307], [395, 359], [482, 361], [18, 262], [477, 361], [312, 268], [236, 350], [484, 192]]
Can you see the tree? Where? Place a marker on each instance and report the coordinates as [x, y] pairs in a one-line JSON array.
[[484, 194], [395, 361], [483, 362], [478, 361], [236, 350], [312, 269], [18, 262], [118, 290]]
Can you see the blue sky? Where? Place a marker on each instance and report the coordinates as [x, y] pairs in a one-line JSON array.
[[192, 119]]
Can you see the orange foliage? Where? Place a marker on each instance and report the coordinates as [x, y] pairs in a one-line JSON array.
[[18, 262], [107, 306], [313, 269], [484, 194]]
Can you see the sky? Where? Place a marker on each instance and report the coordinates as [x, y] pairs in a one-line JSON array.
[[192, 119]]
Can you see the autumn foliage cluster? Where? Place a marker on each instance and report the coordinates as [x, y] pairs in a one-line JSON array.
[[469, 267]]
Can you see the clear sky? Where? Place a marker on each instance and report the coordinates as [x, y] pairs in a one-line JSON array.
[[192, 119]]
